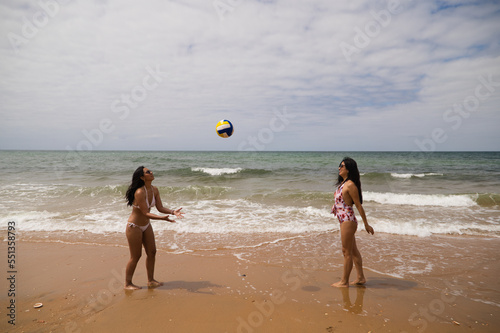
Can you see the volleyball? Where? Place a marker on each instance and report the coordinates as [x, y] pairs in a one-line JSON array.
[[224, 128]]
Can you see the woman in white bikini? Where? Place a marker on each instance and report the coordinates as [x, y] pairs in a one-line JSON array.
[[349, 193], [141, 195]]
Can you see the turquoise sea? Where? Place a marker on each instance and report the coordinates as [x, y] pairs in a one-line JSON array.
[[452, 193], [436, 215], [430, 211]]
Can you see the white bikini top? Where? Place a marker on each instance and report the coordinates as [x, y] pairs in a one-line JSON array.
[[153, 203]]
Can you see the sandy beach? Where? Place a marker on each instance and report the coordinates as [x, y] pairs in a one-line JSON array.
[[81, 289]]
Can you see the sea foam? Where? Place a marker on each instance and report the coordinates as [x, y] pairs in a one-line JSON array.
[[440, 200], [217, 171], [417, 175]]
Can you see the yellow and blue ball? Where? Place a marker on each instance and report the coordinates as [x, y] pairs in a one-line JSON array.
[[224, 128]]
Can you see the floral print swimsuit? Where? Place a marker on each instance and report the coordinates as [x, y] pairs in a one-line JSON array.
[[343, 211]]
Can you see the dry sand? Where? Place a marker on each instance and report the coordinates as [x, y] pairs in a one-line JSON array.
[[81, 288]]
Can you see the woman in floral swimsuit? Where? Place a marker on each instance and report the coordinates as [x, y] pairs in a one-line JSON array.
[[347, 194]]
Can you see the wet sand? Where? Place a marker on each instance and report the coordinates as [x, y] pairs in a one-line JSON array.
[[81, 288]]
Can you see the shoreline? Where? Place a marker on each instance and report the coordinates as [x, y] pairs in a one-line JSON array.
[[81, 288]]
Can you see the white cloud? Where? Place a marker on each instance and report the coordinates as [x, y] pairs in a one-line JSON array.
[[258, 57]]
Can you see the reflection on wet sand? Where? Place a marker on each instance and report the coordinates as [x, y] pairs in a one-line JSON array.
[[357, 307]]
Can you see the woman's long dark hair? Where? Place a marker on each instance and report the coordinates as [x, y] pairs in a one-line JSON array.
[[352, 175], [137, 182]]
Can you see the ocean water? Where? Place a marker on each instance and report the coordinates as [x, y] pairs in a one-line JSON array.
[[434, 214], [239, 200], [245, 192]]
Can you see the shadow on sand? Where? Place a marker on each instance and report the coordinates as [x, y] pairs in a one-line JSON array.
[[191, 286], [390, 283]]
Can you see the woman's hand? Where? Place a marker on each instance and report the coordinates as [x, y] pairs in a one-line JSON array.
[[369, 229], [166, 218], [178, 213]]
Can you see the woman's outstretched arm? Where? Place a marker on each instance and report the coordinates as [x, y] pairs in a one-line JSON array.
[[159, 206]]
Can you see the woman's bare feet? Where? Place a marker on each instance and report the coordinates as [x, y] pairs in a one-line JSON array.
[[359, 282], [131, 286], [154, 284], [340, 284]]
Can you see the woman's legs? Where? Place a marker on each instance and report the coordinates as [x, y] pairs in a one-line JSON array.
[[150, 247], [134, 237], [358, 263], [347, 231]]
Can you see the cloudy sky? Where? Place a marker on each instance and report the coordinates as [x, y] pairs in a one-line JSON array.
[[290, 75]]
